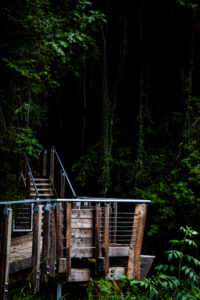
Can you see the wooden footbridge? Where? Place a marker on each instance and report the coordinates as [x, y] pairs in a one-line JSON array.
[[62, 238]]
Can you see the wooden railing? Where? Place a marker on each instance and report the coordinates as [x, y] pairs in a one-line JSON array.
[[62, 234]]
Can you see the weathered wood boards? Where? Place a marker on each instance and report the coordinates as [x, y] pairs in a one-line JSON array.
[[37, 224], [72, 235], [68, 240], [136, 241], [5, 242]]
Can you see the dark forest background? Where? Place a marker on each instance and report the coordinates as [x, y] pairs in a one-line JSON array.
[[114, 85]]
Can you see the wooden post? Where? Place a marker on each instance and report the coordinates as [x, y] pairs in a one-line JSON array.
[[59, 220], [28, 185], [136, 241], [68, 240], [115, 207], [44, 169], [6, 229], [62, 186], [106, 240], [52, 255], [97, 237], [38, 167], [52, 161], [46, 243], [37, 224]]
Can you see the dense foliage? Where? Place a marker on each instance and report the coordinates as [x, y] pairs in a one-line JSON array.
[[116, 89], [176, 280]]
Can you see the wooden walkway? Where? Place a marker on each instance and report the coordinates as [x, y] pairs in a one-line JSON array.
[[75, 244]]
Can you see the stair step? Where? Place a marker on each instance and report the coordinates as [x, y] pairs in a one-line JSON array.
[[41, 189], [42, 179], [43, 195], [42, 184]]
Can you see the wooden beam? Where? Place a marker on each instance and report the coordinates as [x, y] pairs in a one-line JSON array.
[[97, 238], [82, 213], [6, 227], [136, 240], [52, 161], [106, 239], [44, 169], [37, 222], [38, 166], [59, 241], [145, 264], [79, 275], [46, 243], [52, 255], [62, 185], [68, 240], [82, 223]]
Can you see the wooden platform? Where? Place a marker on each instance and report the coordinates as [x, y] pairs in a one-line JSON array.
[[70, 244], [21, 253], [78, 234]]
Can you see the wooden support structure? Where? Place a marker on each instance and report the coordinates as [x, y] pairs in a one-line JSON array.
[[62, 186], [59, 236], [98, 252], [106, 240], [52, 164], [37, 226], [136, 241], [77, 242], [5, 242], [68, 240], [53, 246], [38, 166], [46, 243], [44, 168]]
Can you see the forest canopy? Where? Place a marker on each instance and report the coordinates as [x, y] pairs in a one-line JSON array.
[[116, 89]]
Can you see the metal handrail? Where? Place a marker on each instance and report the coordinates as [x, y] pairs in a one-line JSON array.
[[64, 172], [31, 174], [90, 199]]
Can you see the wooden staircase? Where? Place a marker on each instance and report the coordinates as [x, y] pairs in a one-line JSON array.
[[45, 188]]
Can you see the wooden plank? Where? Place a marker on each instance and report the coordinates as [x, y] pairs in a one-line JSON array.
[[62, 265], [97, 238], [44, 169], [82, 242], [20, 265], [81, 233], [46, 243], [38, 166], [145, 264], [136, 241], [79, 275], [82, 213], [59, 241], [36, 248], [52, 254], [82, 223], [118, 251], [62, 186], [83, 252], [68, 240], [5, 252], [90, 252], [106, 239], [52, 162]]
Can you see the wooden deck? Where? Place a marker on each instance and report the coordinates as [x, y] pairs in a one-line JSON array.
[[75, 244], [21, 254]]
